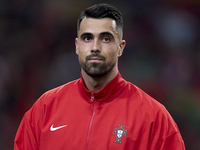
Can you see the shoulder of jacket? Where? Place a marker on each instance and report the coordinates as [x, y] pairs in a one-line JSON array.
[[49, 96], [145, 100], [60, 89], [57, 92]]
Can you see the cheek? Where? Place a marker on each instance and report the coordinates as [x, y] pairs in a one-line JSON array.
[[113, 50], [81, 57], [83, 50], [112, 54], [84, 46]]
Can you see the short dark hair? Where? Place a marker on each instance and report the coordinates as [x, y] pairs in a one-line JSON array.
[[99, 11]]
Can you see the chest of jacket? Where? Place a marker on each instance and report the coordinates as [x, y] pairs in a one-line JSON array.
[[73, 123]]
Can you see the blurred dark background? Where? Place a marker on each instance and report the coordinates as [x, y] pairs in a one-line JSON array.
[[162, 56]]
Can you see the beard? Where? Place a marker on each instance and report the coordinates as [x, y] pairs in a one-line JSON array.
[[97, 69]]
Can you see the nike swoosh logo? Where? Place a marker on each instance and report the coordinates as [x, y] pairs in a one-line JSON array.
[[56, 128]]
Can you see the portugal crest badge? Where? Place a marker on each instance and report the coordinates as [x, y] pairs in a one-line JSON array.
[[120, 133]]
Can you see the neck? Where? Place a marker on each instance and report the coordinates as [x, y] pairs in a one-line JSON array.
[[95, 84]]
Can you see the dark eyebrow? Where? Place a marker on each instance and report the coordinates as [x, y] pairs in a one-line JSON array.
[[101, 34], [85, 34], [106, 33]]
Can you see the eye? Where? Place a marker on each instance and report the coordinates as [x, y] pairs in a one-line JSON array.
[[87, 38], [106, 39]]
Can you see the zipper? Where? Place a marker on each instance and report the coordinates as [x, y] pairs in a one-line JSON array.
[[92, 118]]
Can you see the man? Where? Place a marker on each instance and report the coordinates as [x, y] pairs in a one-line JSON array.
[[100, 110]]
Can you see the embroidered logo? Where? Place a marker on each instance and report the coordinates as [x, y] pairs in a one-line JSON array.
[[56, 128], [120, 133]]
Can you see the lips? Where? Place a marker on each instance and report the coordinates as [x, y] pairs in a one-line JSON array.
[[95, 58]]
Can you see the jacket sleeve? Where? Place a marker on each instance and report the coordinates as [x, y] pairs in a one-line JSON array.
[[173, 142], [25, 138], [166, 135]]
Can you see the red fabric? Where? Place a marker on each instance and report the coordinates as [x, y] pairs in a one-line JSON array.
[[93, 124]]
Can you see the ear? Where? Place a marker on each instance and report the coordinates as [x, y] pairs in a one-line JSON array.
[[121, 47], [77, 46]]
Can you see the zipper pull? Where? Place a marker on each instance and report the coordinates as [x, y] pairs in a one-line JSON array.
[[92, 97]]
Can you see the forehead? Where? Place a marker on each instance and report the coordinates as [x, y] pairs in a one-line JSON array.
[[96, 26]]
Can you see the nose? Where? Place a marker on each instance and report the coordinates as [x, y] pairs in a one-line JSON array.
[[95, 46]]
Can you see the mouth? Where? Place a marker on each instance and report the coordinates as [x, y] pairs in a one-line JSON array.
[[95, 59]]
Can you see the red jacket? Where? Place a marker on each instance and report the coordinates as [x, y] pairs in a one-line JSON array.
[[119, 117]]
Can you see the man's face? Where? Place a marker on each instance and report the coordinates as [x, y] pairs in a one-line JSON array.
[[98, 46]]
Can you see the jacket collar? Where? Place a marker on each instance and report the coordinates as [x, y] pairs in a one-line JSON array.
[[109, 92]]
